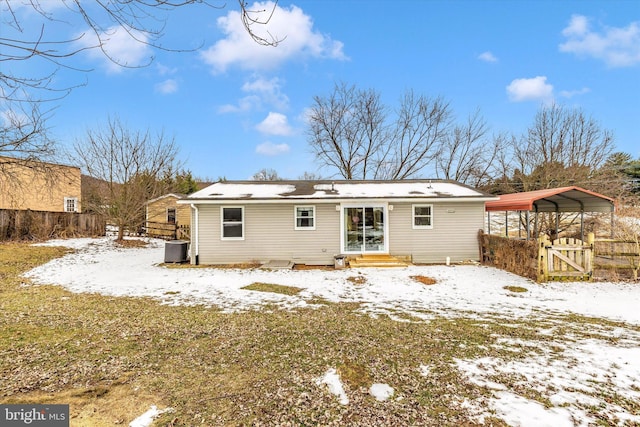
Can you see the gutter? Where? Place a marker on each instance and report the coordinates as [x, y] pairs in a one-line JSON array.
[[248, 201], [195, 247]]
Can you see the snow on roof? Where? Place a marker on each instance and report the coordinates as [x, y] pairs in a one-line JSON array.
[[266, 190]]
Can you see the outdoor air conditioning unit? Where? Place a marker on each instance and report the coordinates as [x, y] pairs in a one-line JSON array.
[[176, 251]]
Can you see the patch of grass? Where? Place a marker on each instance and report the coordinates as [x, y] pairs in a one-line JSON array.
[[131, 243], [354, 374], [516, 289], [357, 280], [424, 280], [242, 266], [270, 287]]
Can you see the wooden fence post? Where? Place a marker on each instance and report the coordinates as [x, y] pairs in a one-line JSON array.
[[543, 268]]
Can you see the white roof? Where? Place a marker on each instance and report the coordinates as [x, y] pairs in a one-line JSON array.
[[331, 190]]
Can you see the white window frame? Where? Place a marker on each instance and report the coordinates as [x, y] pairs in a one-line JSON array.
[[295, 217], [75, 204], [414, 216], [222, 223]]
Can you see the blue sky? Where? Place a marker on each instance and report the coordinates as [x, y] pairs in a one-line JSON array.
[[235, 107]]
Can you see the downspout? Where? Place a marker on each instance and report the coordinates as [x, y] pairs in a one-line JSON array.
[[195, 247]]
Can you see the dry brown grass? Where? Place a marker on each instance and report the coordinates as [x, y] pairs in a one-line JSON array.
[[357, 280], [270, 287], [111, 358], [424, 280], [131, 243]]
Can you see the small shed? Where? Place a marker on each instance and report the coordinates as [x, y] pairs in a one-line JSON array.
[[164, 217], [553, 200]]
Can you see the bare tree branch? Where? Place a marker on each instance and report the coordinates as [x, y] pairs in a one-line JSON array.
[[143, 20], [350, 131]]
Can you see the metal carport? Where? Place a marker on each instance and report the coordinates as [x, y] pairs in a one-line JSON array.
[[555, 200]]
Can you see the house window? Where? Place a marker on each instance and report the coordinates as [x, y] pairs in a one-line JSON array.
[[305, 217], [232, 223], [422, 216], [171, 215], [70, 204]]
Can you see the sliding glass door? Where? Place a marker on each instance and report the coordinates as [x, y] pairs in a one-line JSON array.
[[364, 229]]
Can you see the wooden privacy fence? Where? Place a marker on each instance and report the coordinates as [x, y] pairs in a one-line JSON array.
[[34, 225], [565, 259], [167, 231]]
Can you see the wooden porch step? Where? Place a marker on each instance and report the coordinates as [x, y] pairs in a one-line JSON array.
[[376, 260]]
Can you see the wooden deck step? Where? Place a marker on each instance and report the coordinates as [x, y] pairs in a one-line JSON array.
[[376, 260]]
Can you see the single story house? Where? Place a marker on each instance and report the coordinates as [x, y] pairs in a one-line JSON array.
[[310, 222], [163, 215]]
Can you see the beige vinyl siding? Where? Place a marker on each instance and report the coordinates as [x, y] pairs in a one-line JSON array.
[[454, 233], [157, 211], [38, 186], [269, 234]]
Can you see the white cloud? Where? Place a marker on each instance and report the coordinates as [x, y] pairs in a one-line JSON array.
[[270, 91], [245, 104], [271, 149], [119, 45], [166, 87], [578, 26], [275, 124], [572, 93], [617, 47], [262, 91], [163, 70], [487, 57], [532, 89], [290, 24]]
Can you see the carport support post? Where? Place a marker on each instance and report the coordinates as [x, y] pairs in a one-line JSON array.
[[506, 224]]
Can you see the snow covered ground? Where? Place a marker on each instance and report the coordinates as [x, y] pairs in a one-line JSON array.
[[573, 383]]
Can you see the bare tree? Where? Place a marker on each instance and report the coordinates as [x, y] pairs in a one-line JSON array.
[[310, 176], [421, 126], [562, 147], [351, 132], [142, 20], [129, 166], [266, 175], [467, 155]]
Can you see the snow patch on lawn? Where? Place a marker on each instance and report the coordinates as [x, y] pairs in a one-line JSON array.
[[147, 418], [381, 392], [332, 380]]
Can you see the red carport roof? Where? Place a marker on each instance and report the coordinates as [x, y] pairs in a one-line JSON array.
[[563, 199]]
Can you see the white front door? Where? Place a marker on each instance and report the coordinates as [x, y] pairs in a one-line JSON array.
[[364, 229]]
